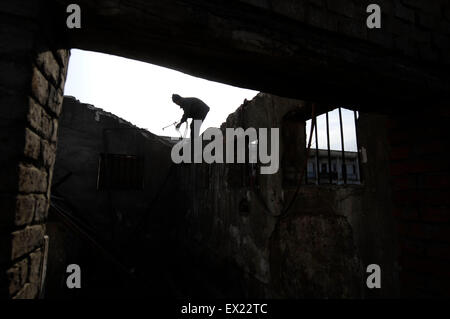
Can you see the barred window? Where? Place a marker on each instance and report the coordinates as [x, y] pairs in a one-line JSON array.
[[334, 148], [120, 172]]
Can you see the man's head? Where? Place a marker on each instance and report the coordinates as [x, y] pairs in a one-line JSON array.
[[176, 99]]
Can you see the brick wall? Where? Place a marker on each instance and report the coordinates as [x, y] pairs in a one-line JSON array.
[[31, 85], [421, 194]]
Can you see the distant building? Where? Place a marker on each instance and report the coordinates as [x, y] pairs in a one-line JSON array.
[[336, 170]]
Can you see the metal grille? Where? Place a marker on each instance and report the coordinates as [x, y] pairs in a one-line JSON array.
[[334, 166], [120, 172]]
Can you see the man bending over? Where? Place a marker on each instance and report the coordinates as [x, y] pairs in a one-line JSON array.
[[193, 108]]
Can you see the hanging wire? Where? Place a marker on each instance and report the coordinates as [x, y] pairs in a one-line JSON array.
[[304, 166]]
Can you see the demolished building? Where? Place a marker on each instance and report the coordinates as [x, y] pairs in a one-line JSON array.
[[396, 76], [118, 200], [113, 191]]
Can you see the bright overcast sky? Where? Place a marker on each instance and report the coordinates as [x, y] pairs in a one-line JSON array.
[[141, 93]]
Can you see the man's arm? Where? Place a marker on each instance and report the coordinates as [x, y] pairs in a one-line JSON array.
[[183, 119], [187, 111]]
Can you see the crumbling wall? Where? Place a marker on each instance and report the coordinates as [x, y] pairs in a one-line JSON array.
[[314, 253], [241, 227], [127, 223], [85, 133]]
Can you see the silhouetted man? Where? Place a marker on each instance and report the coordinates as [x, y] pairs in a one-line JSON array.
[[193, 108]]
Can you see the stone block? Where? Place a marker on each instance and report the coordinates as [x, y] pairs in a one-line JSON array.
[[41, 208], [17, 276], [46, 125], [35, 267], [27, 240], [32, 145], [31, 179], [48, 154], [34, 114], [55, 100], [39, 86], [54, 136], [40, 120], [25, 207], [47, 63], [63, 57], [29, 291]]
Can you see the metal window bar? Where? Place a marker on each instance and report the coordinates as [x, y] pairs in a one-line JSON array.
[[307, 159], [329, 151], [317, 151], [360, 173], [344, 168]]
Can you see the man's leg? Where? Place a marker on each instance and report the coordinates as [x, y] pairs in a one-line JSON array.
[[204, 115], [195, 129], [196, 141], [191, 127], [202, 119]]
